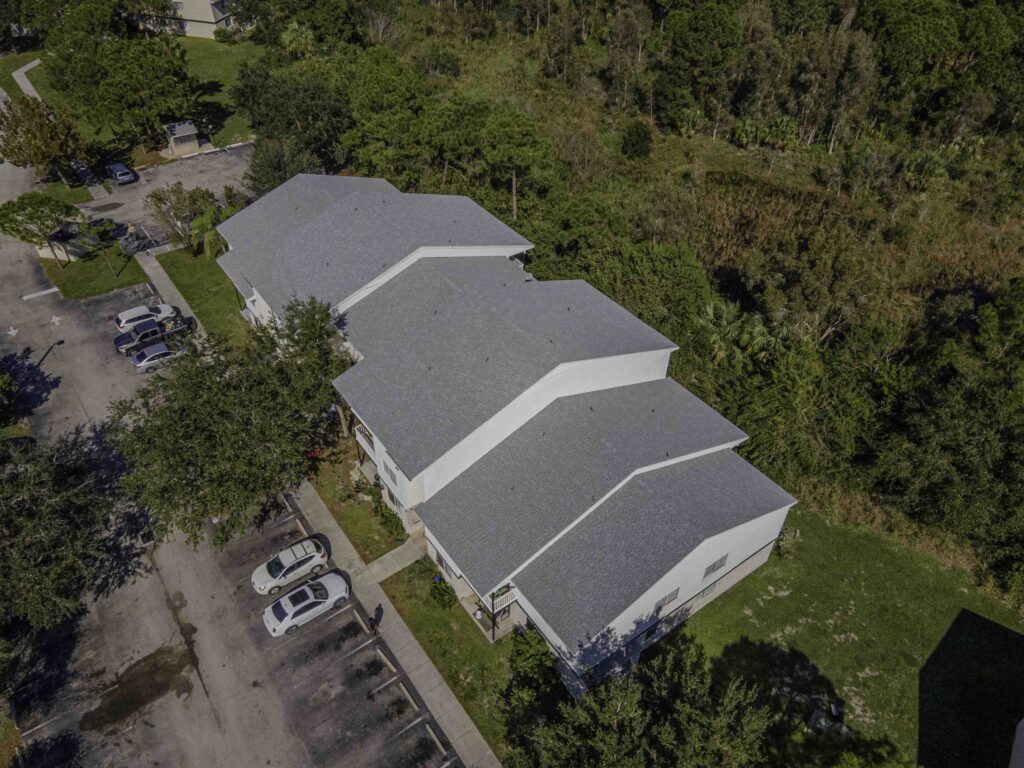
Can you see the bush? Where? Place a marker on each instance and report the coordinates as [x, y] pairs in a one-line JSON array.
[[637, 140], [435, 60], [443, 594], [227, 36]]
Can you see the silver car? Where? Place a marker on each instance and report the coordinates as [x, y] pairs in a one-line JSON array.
[[301, 558], [304, 604], [132, 317], [155, 356]]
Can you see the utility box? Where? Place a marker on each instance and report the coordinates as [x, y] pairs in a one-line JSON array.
[[182, 138]]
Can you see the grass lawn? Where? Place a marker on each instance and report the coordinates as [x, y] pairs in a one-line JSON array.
[[869, 614], [216, 67], [476, 671], [72, 195], [40, 78], [92, 276], [208, 291], [9, 63], [17, 429], [10, 739], [353, 512]]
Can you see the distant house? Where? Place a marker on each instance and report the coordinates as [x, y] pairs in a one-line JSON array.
[[194, 18], [524, 430]]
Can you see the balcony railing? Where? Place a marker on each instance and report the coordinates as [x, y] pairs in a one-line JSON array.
[[365, 439], [505, 599]]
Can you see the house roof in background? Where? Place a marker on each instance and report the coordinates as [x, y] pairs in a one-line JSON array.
[[594, 573], [328, 236], [449, 342], [517, 498]]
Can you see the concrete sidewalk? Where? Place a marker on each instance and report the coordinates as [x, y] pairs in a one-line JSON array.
[[396, 560], [21, 78], [164, 285], [446, 709]]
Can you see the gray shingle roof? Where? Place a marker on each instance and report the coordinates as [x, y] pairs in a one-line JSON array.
[[518, 497], [328, 236], [449, 342], [603, 565]]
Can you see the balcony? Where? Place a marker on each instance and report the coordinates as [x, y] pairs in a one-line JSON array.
[[365, 439]]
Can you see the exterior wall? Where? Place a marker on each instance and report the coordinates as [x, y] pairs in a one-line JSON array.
[[194, 18], [451, 574], [507, 252], [259, 308]]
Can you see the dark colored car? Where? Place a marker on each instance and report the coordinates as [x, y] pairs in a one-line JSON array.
[[150, 332]]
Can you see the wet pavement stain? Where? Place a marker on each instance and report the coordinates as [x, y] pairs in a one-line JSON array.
[[139, 685]]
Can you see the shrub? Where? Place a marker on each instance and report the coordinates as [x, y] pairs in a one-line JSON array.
[[443, 594], [435, 60], [227, 36], [637, 140]]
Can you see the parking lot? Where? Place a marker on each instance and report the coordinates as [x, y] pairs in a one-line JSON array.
[[213, 172], [339, 684]]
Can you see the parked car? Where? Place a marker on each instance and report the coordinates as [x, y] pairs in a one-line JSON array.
[[132, 317], [304, 604], [156, 356], [120, 173], [149, 332], [301, 558]]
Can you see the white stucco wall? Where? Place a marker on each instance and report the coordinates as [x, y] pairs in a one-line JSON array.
[[261, 311]]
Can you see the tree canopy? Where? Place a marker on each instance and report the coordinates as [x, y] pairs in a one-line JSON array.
[[37, 135]]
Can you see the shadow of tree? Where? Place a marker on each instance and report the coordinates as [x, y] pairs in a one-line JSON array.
[[793, 688], [61, 750], [34, 384], [971, 695], [210, 116], [40, 667]]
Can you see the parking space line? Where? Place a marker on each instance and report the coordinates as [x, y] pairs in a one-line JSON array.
[[24, 734], [37, 294], [384, 685], [276, 523], [359, 647], [415, 722], [337, 612]]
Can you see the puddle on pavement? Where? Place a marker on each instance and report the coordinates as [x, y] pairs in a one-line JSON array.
[[142, 683]]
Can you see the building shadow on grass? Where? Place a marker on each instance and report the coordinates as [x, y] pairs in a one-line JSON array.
[[807, 729], [971, 695]]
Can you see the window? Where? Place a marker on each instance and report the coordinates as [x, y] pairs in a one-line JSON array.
[[669, 598], [390, 473], [178, 6], [304, 609], [715, 566], [706, 593], [651, 632]]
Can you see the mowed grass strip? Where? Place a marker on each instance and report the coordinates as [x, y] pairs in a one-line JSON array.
[[208, 292], [95, 275]]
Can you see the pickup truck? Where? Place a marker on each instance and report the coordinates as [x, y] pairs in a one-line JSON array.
[[150, 332]]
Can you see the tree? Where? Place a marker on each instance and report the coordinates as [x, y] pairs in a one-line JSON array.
[[34, 134], [275, 161], [176, 208], [53, 503], [35, 217], [231, 428], [636, 140], [512, 149], [668, 712]]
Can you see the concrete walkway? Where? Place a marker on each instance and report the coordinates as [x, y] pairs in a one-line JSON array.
[[446, 709], [21, 78], [394, 561], [163, 284]]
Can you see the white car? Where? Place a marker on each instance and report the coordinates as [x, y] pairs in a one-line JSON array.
[[304, 604], [301, 558], [132, 317], [154, 356]]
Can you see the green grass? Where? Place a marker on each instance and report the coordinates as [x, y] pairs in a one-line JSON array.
[[10, 739], [354, 514], [866, 611], [40, 78], [208, 292], [9, 63], [476, 671], [17, 429], [71, 195], [216, 67], [92, 276]]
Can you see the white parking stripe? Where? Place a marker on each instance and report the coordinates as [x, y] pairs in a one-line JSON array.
[[37, 294]]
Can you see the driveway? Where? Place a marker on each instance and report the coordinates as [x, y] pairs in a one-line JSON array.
[[213, 172]]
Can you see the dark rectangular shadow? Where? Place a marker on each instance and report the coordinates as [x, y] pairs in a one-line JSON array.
[[971, 695]]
